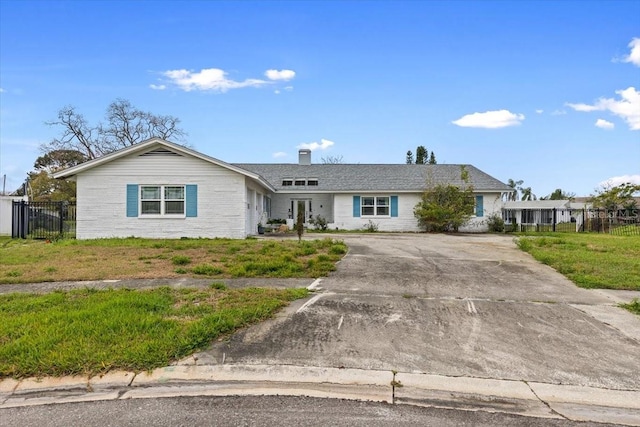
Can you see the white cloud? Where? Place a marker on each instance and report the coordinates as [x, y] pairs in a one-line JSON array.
[[558, 113], [279, 154], [604, 124], [627, 107], [490, 119], [323, 145], [582, 107], [284, 75], [213, 79], [539, 111], [217, 80], [1, 90], [618, 180], [634, 55]]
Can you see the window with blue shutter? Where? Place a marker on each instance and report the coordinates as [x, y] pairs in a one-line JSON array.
[[192, 200], [155, 201], [479, 207], [356, 206], [132, 200], [394, 206]]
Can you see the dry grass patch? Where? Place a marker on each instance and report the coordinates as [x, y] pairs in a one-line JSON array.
[[30, 261]]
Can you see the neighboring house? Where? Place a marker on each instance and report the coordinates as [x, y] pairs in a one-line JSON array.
[[160, 189], [6, 212], [544, 212]]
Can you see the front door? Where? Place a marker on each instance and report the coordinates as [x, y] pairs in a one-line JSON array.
[[301, 205]]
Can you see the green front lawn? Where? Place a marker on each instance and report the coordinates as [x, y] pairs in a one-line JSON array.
[[86, 332], [589, 260]]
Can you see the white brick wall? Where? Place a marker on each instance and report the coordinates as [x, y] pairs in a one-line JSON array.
[[405, 221], [102, 199]]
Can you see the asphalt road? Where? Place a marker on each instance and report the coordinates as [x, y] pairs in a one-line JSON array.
[[267, 411]]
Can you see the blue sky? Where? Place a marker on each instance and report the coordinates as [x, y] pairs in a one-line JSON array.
[[544, 92]]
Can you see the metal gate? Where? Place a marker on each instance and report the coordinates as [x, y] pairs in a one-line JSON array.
[[43, 220]]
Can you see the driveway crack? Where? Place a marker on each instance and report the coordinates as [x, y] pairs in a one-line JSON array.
[[553, 411]]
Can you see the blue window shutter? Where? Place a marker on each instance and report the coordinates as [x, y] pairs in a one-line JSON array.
[[132, 200], [192, 200], [356, 206], [479, 207], [394, 205]]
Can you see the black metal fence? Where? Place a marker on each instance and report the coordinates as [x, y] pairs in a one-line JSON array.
[[621, 221], [43, 220]]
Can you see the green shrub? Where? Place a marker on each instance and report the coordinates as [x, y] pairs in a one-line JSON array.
[[277, 221], [495, 223], [319, 222]]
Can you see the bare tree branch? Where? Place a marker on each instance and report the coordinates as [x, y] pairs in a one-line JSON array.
[[125, 126], [76, 134], [333, 160]]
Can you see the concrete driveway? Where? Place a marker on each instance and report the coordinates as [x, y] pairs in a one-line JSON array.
[[449, 305]]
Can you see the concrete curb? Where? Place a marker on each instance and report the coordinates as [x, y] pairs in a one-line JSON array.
[[516, 397]]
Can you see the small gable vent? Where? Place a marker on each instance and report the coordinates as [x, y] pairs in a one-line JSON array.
[[160, 152]]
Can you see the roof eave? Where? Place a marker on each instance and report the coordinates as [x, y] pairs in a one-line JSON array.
[[70, 172]]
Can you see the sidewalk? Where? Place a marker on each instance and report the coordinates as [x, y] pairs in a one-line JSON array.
[[575, 403]]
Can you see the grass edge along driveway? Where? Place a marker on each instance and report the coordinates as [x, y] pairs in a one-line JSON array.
[[592, 261], [89, 331]]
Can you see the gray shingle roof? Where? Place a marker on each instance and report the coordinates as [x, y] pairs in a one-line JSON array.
[[371, 177]]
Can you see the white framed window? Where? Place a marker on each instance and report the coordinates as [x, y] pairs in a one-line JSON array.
[[299, 182], [287, 182], [375, 206], [162, 200]]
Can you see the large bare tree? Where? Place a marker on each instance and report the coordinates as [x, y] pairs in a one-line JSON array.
[[125, 125]]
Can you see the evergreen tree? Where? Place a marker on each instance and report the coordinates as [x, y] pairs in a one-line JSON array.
[[409, 157], [421, 155]]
